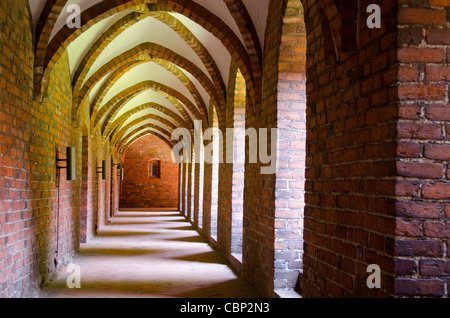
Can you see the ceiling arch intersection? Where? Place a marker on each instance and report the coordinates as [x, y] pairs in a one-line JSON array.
[[149, 66]]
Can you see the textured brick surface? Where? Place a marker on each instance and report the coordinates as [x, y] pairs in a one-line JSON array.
[[33, 226], [17, 216], [139, 189], [422, 224], [350, 152], [43, 216], [363, 145]]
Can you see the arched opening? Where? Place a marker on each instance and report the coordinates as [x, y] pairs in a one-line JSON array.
[[186, 189], [181, 187], [216, 159], [238, 146], [291, 122], [192, 191], [200, 188]]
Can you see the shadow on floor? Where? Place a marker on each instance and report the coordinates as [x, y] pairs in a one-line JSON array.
[[147, 215], [229, 289], [181, 228], [114, 252], [132, 223], [148, 258], [190, 239], [208, 257], [149, 210], [156, 289], [123, 233]]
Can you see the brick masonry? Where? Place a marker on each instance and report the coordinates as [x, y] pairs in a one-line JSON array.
[[35, 230], [40, 211], [138, 188], [229, 229], [421, 255], [351, 143], [369, 185]]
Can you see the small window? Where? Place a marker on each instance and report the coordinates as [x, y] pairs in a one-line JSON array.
[[154, 169]]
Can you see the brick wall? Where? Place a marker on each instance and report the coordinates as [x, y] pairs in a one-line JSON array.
[[258, 249], [43, 216], [231, 171], [33, 225], [375, 166], [376, 163], [138, 190], [351, 145], [422, 265], [18, 259]]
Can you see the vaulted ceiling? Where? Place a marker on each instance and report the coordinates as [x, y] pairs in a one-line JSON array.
[[149, 66]]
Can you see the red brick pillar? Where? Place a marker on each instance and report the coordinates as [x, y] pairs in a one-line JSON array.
[[231, 184]]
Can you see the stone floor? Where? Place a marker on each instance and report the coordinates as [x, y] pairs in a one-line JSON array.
[[154, 254]]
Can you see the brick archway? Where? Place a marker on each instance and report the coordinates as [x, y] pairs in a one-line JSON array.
[[124, 144], [139, 55], [123, 131], [107, 113], [200, 111], [216, 26], [111, 126], [216, 91]]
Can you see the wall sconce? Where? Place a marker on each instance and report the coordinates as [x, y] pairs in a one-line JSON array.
[[70, 163], [103, 170], [120, 169]]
